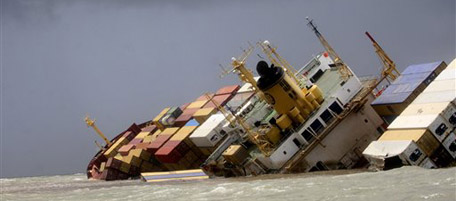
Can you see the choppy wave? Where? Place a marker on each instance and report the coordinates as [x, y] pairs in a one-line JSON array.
[[408, 183]]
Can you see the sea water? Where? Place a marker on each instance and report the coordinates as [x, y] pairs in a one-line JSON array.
[[406, 183]]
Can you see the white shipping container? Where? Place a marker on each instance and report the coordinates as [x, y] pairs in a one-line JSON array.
[[452, 65], [445, 109], [435, 97], [447, 74], [450, 114], [435, 123], [428, 164], [425, 109], [441, 85], [407, 150], [208, 133], [247, 87], [450, 144]]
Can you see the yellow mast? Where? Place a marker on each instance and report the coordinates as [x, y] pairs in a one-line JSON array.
[[263, 145], [246, 75], [269, 50], [343, 69], [91, 123], [389, 68]]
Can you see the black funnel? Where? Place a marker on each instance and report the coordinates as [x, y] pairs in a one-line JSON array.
[[269, 75]]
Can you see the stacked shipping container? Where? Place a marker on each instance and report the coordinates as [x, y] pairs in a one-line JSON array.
[[413, 80], [166, 143], [429, 121]]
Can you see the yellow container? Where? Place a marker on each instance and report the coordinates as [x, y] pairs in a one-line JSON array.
[[125, 167], [206, 150], [132, 160], [118, 157], [316, 91], [161, 114], [140, 153], [312, 100], [197, 104], [310, 97], [142, 135], [183, 163], [183, 133], [202, 114], [170, 131], [235, 154], [423, 138], [296, 116], [102, 166], [148, 139], [273, 135], [190, 156], [147, 167], [284, 121], [156, 120], [112, 151], [155, 135], [171, 166]]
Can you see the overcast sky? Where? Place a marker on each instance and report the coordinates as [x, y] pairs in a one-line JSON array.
[[123, 61]]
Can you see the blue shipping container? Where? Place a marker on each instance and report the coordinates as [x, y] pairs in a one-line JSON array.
[[422, 68]]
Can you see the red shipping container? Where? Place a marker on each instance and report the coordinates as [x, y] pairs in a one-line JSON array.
[[113, 163], [153, 147], [182, 107], [172, 151], [134, 129], [123, 176], [219, 99], [135, 141], [150, 129], [157, 143], [134, 171], [228, 90], [179, 146], [125, 149], [162, 138], [168, 155], [182, 120], [204, 97], [109, 174], [129, 135], [142, 145], [189, 111]]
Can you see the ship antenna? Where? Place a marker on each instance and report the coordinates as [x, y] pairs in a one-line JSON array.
[[343, 69]]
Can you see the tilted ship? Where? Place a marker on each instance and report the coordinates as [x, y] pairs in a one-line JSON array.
[[319, 117]]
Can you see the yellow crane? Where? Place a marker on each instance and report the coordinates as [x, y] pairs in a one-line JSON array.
[[239, 68], [263, 144], [91, 123], [246, 75], [343, 69], [271, 52], [389, 68]]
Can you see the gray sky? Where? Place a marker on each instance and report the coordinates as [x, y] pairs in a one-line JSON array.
[[123, 61]]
